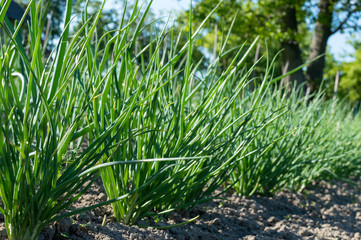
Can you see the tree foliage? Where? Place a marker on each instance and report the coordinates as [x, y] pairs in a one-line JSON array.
[[350, 84], [282, 24]]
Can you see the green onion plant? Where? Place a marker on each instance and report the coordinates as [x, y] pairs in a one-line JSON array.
[[183, 111], [162, 132], [313, 139], [44, 111]]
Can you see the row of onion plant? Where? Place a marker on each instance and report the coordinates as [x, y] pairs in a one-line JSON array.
[[162, 138], [185, 112], [316, 139], [160, 131]]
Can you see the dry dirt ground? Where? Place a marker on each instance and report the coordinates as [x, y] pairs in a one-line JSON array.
[[325, 210]]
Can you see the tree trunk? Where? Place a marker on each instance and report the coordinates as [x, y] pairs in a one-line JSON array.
[[291, 55], [322, 32], [291, 59]]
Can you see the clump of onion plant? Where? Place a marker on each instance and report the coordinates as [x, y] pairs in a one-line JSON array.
[[311, 140], [43, 114], [181, 114]]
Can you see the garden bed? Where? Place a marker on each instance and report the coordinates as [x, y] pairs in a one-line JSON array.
[[325, 210]]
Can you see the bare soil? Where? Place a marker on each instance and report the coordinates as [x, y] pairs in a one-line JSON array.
[[325, 210]]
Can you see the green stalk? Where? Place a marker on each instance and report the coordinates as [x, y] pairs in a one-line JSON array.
[[60, 57]]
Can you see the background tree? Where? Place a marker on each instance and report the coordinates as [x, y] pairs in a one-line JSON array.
[[350, 84], [282, 24], [279, 23], [333, 16]]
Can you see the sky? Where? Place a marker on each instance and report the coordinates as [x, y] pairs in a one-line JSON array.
[[337, 43], [339, 47]]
